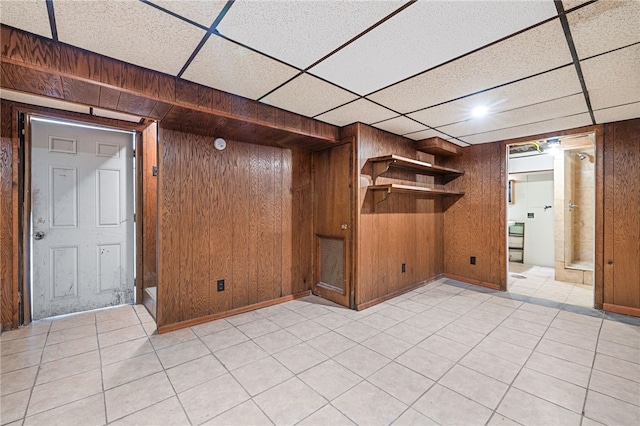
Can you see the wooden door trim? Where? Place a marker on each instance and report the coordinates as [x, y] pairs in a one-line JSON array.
[[599, 237], [25, 206], [354, 228], [618, 309], [139, 218]]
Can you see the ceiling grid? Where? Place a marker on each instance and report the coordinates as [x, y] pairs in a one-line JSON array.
[[412, 68]]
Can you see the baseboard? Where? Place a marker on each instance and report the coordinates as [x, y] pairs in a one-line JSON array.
[[472, 281], [212, 317], [625, 310], [384, 298]]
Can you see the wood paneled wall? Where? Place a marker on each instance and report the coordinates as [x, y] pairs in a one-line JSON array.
[[475, 225], [402, 229], [8, 221], [242, 215], [622, 217]]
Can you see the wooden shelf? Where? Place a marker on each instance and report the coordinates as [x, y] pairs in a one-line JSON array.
[[383, 164], [422, 191], [438, 146]]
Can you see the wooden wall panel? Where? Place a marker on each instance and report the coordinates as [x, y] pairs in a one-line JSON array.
[[401, 229], [187, 164], [169, 232], [301, 220], [230, 215], [201, 226], [475, 225], [8, 310], [220, 208], [622, 216]]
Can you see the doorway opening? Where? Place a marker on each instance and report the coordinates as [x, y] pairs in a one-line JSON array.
[[551, 219], [79, 216]]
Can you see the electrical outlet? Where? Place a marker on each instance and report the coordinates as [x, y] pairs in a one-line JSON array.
[[472, 260], [404, 268], [221, 285]]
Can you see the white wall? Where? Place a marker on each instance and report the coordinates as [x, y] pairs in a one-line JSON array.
[[531, 193], [531, 162]]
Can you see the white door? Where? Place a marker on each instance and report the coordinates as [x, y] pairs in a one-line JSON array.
[[82, 218]]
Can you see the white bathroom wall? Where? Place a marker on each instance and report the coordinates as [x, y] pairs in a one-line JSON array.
[[532, 192], [531, 163]]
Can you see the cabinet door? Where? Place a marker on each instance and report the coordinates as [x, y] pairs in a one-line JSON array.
[[333, 172]]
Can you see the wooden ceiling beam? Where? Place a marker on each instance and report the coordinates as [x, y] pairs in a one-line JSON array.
[[40, 66]]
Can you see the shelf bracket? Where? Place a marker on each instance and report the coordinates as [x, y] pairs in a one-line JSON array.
[[380, 167], [379, 197]]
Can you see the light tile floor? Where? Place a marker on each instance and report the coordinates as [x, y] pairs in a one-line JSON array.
[[538, 282], [445, 353]]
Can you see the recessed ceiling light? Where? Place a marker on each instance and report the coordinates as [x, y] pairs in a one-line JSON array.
[[479, 111]]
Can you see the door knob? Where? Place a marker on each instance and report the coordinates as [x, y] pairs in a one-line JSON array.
[[38, 235]]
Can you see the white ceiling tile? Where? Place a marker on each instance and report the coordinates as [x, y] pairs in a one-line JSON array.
[[232, 68], [551, 85], [532, 129], [461, 143], [570, 4], [432, 32], [301, 32], [544, 111], [400, 126], [360, 110], [424, 134], [25, 98], [204, 12], [604, 26], [534, 51], [613, 79], [619, 113], [130, 31], [308, 95], [27, 15]]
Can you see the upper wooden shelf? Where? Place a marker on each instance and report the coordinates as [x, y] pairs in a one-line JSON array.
[[384, 163], [438, 146], [415, 190]]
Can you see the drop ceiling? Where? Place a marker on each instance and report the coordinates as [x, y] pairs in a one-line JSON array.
[[412, 68]]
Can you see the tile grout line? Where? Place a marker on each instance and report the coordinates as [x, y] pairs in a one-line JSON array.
[[35, 379], [104, 393], [593, 362]]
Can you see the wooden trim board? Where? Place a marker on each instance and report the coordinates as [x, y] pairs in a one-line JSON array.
[[243, 309]]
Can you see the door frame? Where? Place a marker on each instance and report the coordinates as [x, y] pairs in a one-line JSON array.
[[348, 234], [598, 261], [22, 210]]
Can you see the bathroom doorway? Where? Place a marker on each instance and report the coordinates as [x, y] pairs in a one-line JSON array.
[[551, 219]]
